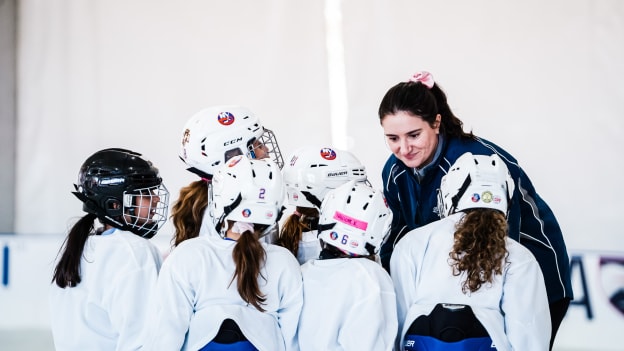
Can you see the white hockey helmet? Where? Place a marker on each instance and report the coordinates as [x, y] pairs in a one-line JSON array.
[[355, 218], [246, 190], [215, 134], [475, 181], [312, 171]]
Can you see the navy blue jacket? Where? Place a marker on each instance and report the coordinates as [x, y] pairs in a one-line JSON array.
[[413, 201]]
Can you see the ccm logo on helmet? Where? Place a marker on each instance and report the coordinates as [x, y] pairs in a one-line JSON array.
[[233, 141]]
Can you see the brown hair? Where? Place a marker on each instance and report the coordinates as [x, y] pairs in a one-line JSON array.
[[188, 211], [67, 270], [294, 226], [479, 249], [420, 101], [249, 257]]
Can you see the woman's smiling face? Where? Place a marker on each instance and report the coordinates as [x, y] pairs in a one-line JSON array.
[[410, 138]]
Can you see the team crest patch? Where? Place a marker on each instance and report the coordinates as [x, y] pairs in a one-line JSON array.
[[487, 197], [225, 118], [328, 154]]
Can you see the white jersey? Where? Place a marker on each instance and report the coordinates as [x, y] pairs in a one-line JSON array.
[[108, 308], [513, 309], [309, 247], [349, 304], [196, 293]]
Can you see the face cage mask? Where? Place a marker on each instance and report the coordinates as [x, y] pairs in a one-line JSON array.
[[268, 140], [145, 210]]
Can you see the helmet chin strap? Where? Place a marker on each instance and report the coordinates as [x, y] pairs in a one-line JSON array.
[[312, 199], [460, 193], [226, 211]]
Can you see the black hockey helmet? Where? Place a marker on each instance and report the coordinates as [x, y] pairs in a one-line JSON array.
[[111, 184]]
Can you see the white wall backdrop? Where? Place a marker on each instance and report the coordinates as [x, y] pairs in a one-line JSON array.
[[542, 79]]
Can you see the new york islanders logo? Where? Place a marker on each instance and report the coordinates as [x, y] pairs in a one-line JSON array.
[[475, 197], [225, 118], [328, 154]]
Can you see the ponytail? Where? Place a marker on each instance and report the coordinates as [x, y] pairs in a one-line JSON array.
[[249, 257], [450, 124], [304, 219], [67, 270], [480, 248], [188, 212]]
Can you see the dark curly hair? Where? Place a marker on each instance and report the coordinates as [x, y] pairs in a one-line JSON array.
[[479, 249]]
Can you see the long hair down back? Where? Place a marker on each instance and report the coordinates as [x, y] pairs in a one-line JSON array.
[[187, 213], [479, 250], [249, 257], [67, 270]]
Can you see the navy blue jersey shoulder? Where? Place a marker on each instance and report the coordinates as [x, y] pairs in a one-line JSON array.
[[531, 221]]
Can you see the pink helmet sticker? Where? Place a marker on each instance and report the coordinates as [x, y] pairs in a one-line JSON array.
[[350, 221]]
